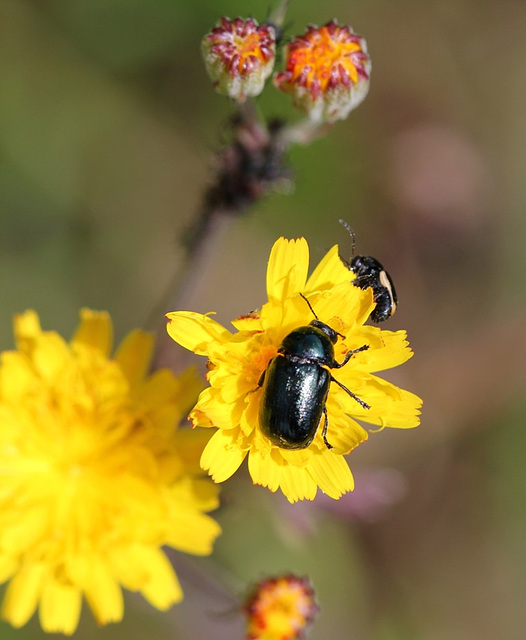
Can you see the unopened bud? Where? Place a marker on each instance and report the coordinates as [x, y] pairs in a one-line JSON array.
[[280, 608], [239, 56], [326, 71]]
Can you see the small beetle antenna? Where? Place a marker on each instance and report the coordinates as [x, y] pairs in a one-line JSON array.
[[352, 234], [310, 306]]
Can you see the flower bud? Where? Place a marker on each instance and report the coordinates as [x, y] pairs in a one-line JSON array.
[[280, 608], [239, 56], [327, 71]]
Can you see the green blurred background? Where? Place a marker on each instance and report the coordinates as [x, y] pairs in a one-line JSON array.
[[107, 125]]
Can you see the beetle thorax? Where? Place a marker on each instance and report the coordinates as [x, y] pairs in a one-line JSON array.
[[308, 344]]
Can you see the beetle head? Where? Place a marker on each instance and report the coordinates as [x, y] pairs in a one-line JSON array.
[[328, 331]]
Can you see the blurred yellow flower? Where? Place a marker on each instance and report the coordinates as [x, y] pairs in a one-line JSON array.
[[94, 475], [237, 362], [327, 71], [280, 608]]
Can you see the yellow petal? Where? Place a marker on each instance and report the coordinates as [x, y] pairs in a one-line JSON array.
[[223, 456], [233, 388], [329, 272], [158, 389], [211, 410], [390, 405], [95, 331], [17, 377], [134, 355], [192, 532], [249, 417], [297, 457], [346, 302], [343, 433], [23, 533], [249, 322], [27, 329], [8, 566], [199, 415], [297, 483], [190, 444], [60, 607], [103, 593], [287, 269], [130, 564], [387, 349], [331, 473], [22, 595], [265, 468], [190, 383], [162, 588], [359, 305], [163, 390], [195, 331], [50, 355], [199, 492], [146, 569]]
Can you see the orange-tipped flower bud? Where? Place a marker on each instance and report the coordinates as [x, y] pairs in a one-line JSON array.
[[239, 56], [280, 608], [327, 71]]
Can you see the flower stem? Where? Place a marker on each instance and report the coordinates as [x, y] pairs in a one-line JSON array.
[[303, 132], [277, 16]]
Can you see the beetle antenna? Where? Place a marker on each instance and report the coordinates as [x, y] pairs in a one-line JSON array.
[[310, 306], [314, 314], [351, 233]]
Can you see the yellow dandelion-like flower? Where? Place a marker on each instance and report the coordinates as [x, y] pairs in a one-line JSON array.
[[327, 71], [94, 475], [237, 362], [280, 608]]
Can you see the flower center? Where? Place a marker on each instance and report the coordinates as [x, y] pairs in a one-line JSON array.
[[248, 47], [281, 608], [242, 45], [319, 53]]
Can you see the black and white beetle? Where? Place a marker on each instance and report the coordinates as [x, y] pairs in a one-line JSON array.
[[370, 273], [296, 385]]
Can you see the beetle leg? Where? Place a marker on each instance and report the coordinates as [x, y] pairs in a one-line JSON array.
[[260, 382], [262, 378], [363, 282], [348, 356], [325, 427], [353, 395]]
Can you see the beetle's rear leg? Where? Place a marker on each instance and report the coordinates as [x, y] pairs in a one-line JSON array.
[[325, 427]]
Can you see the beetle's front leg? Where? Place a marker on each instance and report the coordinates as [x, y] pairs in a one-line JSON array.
[[261, 379], [353, 395], [348, 356]]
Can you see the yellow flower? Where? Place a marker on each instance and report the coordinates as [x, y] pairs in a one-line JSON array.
[[237, 362], [280, 608], [94, 475], [239, 56], [326, 71]]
